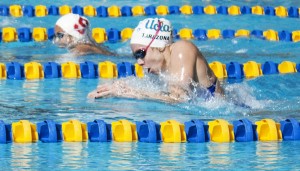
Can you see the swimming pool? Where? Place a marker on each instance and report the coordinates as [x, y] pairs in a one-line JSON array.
[[274, 96]]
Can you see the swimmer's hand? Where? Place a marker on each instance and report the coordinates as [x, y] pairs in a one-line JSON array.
[[116, 89], [101, 91]]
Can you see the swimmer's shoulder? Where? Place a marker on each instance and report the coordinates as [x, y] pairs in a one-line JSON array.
[[183, 44], [184, 47]]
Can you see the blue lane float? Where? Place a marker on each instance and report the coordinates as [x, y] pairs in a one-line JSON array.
[[101, 11], [125, 69], [51, 70], [77, 10], [246, 10], [89, 69], [4, 10], [28, 10], [15, 71], [49, 131], [99, 131], [244, 130], [126, 11], [196, 131], [298, 67], [270, 67], [175, 34], [222, 10], [285, 36], [53, 10], [148, 131], [113, 35], [257, 34], [235, 70], [24, 34], [228, 34], [150, 10], [5, 133], [269, 10], [200, 34], [174, 9], [290, 129], [198, 10], [50, 33], [293, 12]]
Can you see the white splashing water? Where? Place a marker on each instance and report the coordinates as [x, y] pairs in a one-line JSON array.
[[234, 41], [241, 51], [243, 94], [11, 21], [238, 97], [6, 21]]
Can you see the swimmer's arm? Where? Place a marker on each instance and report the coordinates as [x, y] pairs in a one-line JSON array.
[[174, 95]]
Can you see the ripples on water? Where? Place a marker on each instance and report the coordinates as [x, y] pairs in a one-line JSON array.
[[144, 156]]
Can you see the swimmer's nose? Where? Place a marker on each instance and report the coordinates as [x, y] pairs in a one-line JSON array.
[[140, 62]]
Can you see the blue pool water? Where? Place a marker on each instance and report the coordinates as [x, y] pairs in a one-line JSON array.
[[271, 96]]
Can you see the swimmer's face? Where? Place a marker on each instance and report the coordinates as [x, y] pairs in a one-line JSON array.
[[61, 38], [150, 59]]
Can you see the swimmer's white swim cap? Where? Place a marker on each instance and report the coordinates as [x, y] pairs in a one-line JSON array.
[[74, 25], [146, 30]]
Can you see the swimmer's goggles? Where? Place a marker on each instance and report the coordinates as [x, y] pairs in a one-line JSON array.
[[59, 35], [141, 53]]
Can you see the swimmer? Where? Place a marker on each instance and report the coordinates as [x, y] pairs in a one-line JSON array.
[[153, 48], [72, 32]]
